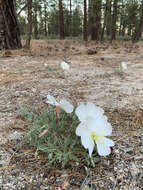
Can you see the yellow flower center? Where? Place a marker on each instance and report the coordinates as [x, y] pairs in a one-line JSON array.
[[87, 117], [96, 137]]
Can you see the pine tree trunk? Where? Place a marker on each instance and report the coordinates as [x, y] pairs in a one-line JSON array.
[[61, 20], [123, 29], [114, 20], [122, 20], [138, 31], [85, 21], [89, 17], [9, 30], [35, 21], [108, 19], [70, 20], [120, 28], [105, 20], [29, 26], [45, 19], [95, 19]]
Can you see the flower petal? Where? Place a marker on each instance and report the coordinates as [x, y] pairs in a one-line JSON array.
[[65, 66], [107, 129], [82, 129], [91, 148], [108, 142], [88, 143], [93, 110], [81, 112], [66, 106], [100, 126], [51, 100], [102, 149], [88, 111]]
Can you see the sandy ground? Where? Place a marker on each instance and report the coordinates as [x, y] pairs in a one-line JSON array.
[[26, 77]]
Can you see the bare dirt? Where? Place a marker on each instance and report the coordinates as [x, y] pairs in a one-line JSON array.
[[27, 76]]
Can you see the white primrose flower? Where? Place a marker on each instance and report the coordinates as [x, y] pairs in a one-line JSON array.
[[95, 131], [65, 66], [123, 66], [88, 111], [63, 104], [45, 64]]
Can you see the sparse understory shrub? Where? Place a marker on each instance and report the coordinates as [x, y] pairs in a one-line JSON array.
[[55, 136]]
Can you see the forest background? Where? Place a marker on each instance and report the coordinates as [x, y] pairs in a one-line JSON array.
[[79, 19]]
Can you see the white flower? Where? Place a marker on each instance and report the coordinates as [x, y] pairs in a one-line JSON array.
[[51, 100], [123, 66], [45, 64], [93, 128], [88, 111], [95, 131], [63, 104], [65, 66]]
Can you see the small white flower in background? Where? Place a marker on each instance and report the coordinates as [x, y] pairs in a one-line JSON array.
[[95, 131], [123, 66], [45, 64], [51, 100], [65, 66], [88, 111], [63, 104]]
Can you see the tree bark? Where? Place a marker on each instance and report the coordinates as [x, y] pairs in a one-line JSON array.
[[9, 30], [70, 20], [105, 20], [35, 21], [61, 20], [45, 19], [29, 26], [114, 20], [108, 18], [95, 19], [138, 31], [85, 21]]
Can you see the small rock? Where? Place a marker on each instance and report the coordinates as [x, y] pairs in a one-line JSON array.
[[91, 51]]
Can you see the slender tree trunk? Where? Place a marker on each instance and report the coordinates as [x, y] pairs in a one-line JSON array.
[[89, 17], [123, 29], [29, 26], [61, 20], [35, 21], [95, 19], [105, 19], [41, 22], [85, 21], [120, 27], [121, 17], [130, 30], [70, 19], [138, 31], [108, 18], [45, 19], [9, 30], [114, 20]]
